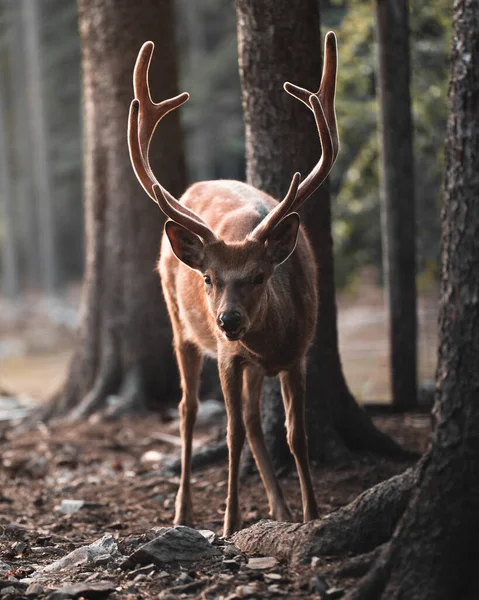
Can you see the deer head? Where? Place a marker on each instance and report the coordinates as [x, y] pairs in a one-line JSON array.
[[236, 274]]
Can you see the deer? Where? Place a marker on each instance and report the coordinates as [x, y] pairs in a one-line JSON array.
[[239, 278]]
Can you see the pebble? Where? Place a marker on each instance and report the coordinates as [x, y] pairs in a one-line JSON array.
[[263, 562]]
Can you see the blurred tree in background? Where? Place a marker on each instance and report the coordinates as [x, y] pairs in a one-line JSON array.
[[212, 122]]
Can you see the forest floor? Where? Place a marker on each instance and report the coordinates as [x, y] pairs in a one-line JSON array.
[[118, 472]]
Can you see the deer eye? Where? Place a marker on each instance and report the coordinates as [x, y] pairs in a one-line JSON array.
[[207, 279], [259, 279]]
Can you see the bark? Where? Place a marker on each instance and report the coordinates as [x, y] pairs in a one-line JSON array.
[[22, 149], [356, 528], [397, 197], [10, 284], [433, 554], [124, 346], [40, 169], [280, 41]]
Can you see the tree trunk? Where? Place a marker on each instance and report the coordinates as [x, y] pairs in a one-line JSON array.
[[397, 197], [40, 167], [433, 554], [124, 347], [280, 41], [22, 149], [10, 285]]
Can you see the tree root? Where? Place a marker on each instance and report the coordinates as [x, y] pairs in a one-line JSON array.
[[357, 528]]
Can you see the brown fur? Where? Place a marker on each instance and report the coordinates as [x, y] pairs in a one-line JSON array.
[[281, 320], [239, 279]]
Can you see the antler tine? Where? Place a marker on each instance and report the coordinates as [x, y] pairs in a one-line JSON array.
[[261, 231], [143, 119], [322, 105]]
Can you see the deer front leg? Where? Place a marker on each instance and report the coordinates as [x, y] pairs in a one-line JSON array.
[[293, 386], [230, 371], [252, 388], [189, 361]]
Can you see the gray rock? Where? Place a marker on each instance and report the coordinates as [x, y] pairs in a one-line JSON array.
[[263, 562], [8, 591], [34, 589], [69, 507], [209, 535], [210, 410], [172, 545], [98, 553], [231, 565], [4, 568], [91, 590]]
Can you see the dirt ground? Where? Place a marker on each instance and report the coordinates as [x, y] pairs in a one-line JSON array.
[[120, 470]]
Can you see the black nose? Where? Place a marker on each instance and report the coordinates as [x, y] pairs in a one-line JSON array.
[[230, 321]]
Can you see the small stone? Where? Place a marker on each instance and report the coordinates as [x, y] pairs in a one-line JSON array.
[[34, 589], [70, 507], [146, 570], [318, 585], [263, 562], [275, 589], [183, 578], [7, 591], [334, 592], [208, 535], [315, 561], [231, 565], [152, 456], [244, 591], [101, 551], [230, 551], [273, 576], [92, 591]]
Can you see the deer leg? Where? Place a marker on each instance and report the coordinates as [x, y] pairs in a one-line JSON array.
[[230, 370], [189, 361], [293, 385], [252, 389]]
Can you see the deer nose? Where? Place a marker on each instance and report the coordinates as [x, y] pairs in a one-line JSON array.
[[230, 321]]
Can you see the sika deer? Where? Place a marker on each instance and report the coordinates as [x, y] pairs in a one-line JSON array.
[[239, 278]]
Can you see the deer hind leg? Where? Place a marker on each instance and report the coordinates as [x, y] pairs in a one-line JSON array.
[[293, 385], [230, 370], [252, 390], [189, 363]]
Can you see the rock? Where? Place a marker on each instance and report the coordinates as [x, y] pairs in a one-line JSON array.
[[273, 576], [230, 551], [8, 591], [34, 589], [4, 568], [69, 507], [334, 592], [152, 456], [146, 570], [209, 535], [210, 410], [231, 565], [263, 562], [172, 545], [98, 553], [244, 591], [89, 591], [319, 586]]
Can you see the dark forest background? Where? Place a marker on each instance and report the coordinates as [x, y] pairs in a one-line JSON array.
[[40, 122]]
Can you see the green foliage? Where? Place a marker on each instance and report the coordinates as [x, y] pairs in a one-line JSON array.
[[355, 183]]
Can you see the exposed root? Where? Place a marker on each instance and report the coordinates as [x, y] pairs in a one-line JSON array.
[[359, 527]]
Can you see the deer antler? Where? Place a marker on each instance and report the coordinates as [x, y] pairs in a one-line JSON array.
[[142, 121], [322, 105]]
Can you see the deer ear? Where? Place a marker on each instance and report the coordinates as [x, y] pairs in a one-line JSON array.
[[282, 240], [186, 246]]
